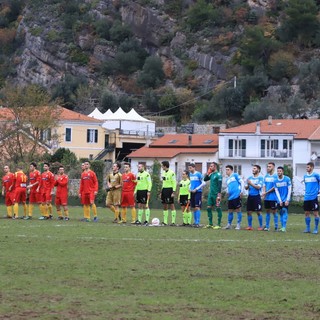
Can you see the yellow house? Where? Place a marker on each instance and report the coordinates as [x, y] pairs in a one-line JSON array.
[[80, 134]]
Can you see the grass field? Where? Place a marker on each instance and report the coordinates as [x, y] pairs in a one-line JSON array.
[[76, 270]]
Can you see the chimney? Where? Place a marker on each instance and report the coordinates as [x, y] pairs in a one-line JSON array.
[[189, 140], [270, 120], [258, 131]]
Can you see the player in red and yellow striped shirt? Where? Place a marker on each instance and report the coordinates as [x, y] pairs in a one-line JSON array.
[[20, 194]]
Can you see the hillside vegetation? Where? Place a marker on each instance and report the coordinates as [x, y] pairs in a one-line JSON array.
[[218, 60]]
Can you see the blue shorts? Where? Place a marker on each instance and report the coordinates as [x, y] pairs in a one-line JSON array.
[[311, 205], [234, 204], [254, 203], [196, 200]]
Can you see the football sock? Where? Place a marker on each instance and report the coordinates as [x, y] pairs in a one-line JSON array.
[[268, 220], [275, 219], [30, 209], [165, 216], [147, 214], [308, 221], [66, 213], [140, 212], [260, 220], [185, 217], [284, 217], [239, 217], [16, 210], [50, 208], [116, 213], [209, 211], [45, 210], [173, 216], [316, 223], [189, 217], [197, 216], [94, 209], [249, 221], [9, 211], [59, 212], [219, 216], [124, 214], [86, 210], [133, 214], [230, 217], [25, 209]]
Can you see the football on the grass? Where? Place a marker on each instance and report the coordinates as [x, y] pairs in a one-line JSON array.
[[155, 222]]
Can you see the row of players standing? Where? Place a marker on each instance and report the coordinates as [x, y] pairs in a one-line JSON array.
[[126, 189]]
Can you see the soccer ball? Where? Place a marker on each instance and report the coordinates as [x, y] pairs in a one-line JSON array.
[[155, 222]]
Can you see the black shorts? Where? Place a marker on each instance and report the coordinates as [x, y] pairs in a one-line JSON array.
[[270, 204], [254, 203], [142, 196], [183, 200], [166, 196], [234, 204], [311, 205]]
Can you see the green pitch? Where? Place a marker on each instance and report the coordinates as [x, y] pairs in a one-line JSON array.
[[76, 270]]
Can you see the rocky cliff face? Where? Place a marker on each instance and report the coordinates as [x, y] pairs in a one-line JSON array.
[[45, 59]]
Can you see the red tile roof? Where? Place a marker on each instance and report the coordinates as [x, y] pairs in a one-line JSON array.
[[182, 140], [64, 115], [146, 152], [301, 128]]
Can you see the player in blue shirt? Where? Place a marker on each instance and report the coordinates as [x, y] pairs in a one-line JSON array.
[[234, 188], [269, 195], [196, 184], [311, 181], [254, 185], [283, 192]]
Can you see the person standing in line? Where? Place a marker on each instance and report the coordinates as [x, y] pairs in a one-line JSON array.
[[46, 191], [270, 197], [214, 196], [32, 188], [312, 187], [143, 191], [88, 191], [235, 187], [114, 187], [61, 184], [184, 198], [254, 185], [196, 184], [8, 184], [20, 195], [283, 192], [169, 185], [129, 182]]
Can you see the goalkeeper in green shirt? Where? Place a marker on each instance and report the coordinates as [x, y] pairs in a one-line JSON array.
[[169, 185], [214, 196]]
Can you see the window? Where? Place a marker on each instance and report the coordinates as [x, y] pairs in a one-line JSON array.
[[237, 169], [68, 135], [92, 135], [237, 147], [269, 148], [45, 135]]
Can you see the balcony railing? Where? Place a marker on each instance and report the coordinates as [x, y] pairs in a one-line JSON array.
[[237, 153], [275, 153]]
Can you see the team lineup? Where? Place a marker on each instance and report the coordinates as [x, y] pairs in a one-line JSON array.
[[126, 189]]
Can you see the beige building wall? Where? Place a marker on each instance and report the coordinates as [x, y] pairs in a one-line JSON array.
[[73, 135]]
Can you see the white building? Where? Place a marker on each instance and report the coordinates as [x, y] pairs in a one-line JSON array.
[[291, 142]]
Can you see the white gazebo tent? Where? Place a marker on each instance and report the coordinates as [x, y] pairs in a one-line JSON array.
[[96, 114], [129, 123]]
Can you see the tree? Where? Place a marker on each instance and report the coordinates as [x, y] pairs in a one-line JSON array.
[[300, 23], [28, 117], [152, 74]]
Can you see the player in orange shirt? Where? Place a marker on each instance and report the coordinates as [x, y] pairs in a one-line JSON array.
[[8, 183], [46, 191], [61, 183], [32, 187], [88, 191], [127, 198], [20, 194]]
